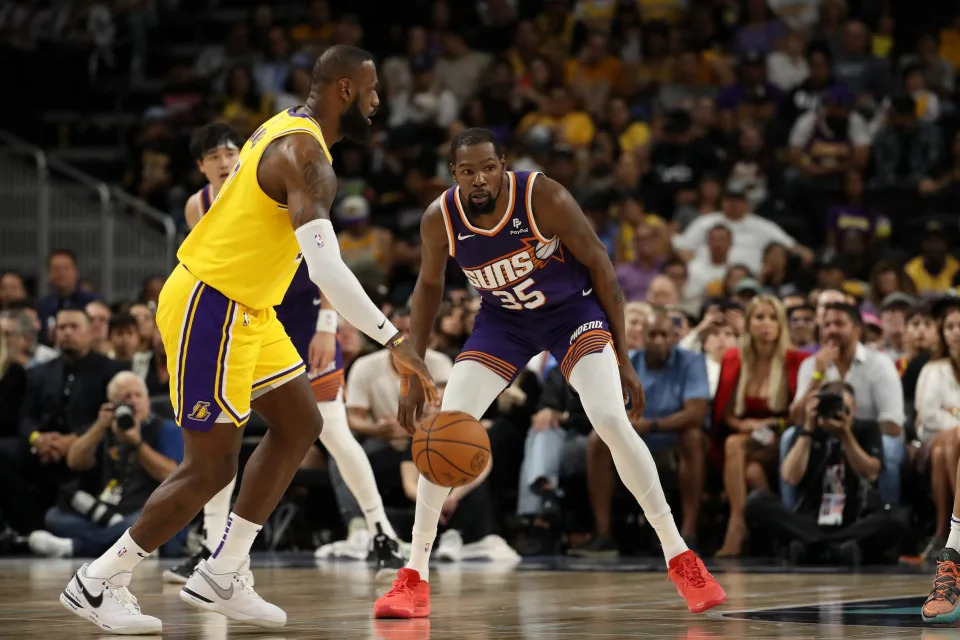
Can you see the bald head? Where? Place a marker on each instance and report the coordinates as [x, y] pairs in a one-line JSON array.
[[659, 338]]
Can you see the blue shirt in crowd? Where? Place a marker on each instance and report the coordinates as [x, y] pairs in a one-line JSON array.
[[682, 378]]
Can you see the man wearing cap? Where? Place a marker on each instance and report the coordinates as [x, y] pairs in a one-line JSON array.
[[751, 233], [934, 270], [365, 248]]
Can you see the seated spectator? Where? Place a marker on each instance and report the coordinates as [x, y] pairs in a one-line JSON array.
[[146, 324], [151, 366], [460, 67], [64, 279], [712, 265], [831, 459], [806, 97], [758, 31], [774, 271], [690, 82], [366, 248], [874, 378], [709, 192], [830, 140], [61, 401], [938, 418], [243, 106], [663, 292], [893, 321], [150, 291], [677, 391], [803, 327], [636, 276], [753, 164], [757, 383], [752, 97], [934, 270], [937, 72], [372, 396], [715, 341], [426, 103], [561, 119], [635, 315], [751, 233], [12, 288], [851, 217], [905, 149], [594, 74], [124, 338], [99, 314], [132, 448], [271, 72], [38, 353], [941, 187], [448, 335], [885, 279], [921, 342], [788, 69], [14, 331], [856, 67]]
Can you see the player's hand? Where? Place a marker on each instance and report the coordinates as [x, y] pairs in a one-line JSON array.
[[323, 349], [449, 508], [632, 389], [410, 411]]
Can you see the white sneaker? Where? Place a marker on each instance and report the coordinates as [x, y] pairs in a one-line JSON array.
[[44, 543], [107, 603], [450, 547], [231, 594]]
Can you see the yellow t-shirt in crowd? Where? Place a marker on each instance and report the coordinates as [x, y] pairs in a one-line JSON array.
[[935, 283]]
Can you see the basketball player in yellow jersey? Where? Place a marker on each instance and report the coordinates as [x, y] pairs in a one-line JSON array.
[[227, 351], [215, 148]]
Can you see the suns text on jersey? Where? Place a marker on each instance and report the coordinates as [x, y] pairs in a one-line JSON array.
[[503, 272]]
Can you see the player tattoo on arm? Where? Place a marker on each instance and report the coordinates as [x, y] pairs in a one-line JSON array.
[[320, 187]]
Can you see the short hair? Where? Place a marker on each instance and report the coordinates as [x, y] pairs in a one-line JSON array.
[[62, 252], [852, 312], [674, 260], [211, 137], [121, 321], [801, 307], [720, 227], [339, 61], [120, 378], [399, 312], [922, 310], [23, 321], [473, 136], [839, 386]]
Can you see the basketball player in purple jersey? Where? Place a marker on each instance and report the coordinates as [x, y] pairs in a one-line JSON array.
[[216, 149], [312, 330], [547, 284]]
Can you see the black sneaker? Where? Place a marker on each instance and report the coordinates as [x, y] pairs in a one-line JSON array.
[[597, 548], [182, 572], [385, 555]]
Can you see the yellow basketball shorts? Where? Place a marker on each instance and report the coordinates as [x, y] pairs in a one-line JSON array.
[[220, 353]]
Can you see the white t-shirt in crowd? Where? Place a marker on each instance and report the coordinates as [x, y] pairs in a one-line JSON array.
[[700, 273], [374, 384], [937, 399], [751, 235]]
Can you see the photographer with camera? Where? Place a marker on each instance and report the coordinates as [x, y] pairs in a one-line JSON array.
[[834, 462], [133, 451]]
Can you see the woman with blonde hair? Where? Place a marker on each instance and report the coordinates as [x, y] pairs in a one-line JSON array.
[[757, 383]]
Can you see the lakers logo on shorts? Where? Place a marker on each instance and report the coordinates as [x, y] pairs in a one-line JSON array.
[[201, 412]]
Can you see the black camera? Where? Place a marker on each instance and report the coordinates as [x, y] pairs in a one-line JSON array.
[[123, 414], [831, 406]]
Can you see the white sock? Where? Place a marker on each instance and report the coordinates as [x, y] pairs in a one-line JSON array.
[[596, 378], [215, 514], [354, 465], [124, 555], [430, 499], [953, 540], [237, 539]]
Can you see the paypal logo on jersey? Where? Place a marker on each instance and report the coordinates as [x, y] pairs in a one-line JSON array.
[[516, 231]]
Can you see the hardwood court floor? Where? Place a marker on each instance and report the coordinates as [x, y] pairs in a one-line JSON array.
[[476, 602]]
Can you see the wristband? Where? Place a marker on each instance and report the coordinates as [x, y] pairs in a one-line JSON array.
[[327, 321], [655, 426], [819, 377], [805, 434], [394, 343], [34, 437]]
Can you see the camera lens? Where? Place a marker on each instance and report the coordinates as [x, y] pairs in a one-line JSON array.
[[124, 417]]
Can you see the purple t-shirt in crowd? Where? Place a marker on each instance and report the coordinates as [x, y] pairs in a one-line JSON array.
[[635, 280]]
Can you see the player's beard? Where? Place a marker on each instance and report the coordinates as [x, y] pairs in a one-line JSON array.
[[489, 206], [353, 124]]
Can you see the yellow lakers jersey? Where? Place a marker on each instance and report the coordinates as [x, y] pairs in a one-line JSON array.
[[245, 245]]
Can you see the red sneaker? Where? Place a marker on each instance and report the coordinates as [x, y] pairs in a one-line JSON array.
[[408, 598], [700, 589]]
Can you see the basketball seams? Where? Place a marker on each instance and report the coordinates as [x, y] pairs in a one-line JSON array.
[[469, 474], [425, 441], [461, 442]]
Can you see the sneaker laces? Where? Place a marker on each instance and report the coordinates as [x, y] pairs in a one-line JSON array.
[[945, 584], [245, 578], [126, 599], [400, 586], [690, 569]]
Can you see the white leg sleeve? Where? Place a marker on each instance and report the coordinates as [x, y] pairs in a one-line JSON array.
[[353, 464], [215, 514], [597, 379], [471, 389]]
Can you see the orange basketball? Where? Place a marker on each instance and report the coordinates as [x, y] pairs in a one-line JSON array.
[[451, 448]]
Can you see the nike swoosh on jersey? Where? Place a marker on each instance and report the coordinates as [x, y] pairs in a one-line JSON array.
[[316, 302], [587, 292], [225, 594], [460, 236], [95, 602]]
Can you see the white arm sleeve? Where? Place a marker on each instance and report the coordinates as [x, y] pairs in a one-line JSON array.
[[318, 242]]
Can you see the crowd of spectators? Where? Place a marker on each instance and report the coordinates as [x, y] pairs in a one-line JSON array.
[[774, 182]]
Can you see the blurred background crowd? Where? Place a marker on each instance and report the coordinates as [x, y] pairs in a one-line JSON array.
[[776, 182]]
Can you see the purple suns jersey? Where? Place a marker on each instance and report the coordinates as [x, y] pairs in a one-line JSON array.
[[512, 265], [536, 295], [206, 199]]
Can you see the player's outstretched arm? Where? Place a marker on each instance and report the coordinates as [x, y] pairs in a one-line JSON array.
[[558, 214], [425, 303], [306, 177]]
